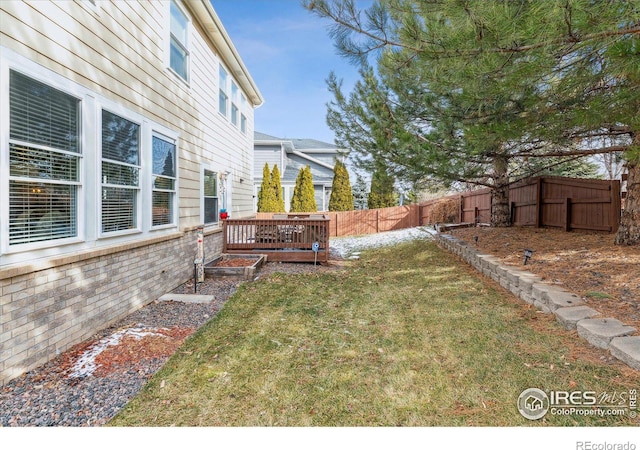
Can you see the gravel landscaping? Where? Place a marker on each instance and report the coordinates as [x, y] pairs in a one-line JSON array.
[[88, 384]]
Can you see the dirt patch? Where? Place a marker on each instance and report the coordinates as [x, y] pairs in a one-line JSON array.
[[606, 276], [235, 262], [121, 351]]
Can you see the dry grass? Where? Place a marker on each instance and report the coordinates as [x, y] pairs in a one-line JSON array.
[[605, 275]]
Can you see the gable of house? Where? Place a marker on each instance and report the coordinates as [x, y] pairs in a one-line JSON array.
[[291, 155]]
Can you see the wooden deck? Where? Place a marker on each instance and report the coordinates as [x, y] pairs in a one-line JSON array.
[[284, 238]]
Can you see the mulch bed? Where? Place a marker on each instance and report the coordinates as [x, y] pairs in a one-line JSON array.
[[235, 262], [606, 276]]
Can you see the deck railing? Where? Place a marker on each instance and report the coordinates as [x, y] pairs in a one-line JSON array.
[[302, 238]]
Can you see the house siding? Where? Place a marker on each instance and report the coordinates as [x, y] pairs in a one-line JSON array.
[[117, 53], [320, 174], [47, 311], [271, 155]]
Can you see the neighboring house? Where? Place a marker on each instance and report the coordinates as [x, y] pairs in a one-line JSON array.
[[290, 155], [124, 126]]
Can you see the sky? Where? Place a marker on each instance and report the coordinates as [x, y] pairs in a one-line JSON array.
[[289, 55]]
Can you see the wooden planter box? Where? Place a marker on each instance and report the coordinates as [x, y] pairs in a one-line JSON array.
[[247, 273]]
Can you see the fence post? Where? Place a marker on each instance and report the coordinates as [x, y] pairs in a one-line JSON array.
[[615, 206], [538, 202], [461, 212], [512, 213], [567, 218], [224, 236]]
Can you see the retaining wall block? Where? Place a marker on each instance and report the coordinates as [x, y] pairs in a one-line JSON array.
[[541, 306], [627, 350], [526, 282], [562, 299], [600, 332], [526, 296], [538, 290], [571, 315], [502, 271], [490, 262]]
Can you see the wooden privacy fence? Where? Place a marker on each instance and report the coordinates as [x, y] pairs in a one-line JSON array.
[[567, 203], [368, 221], [281, 239]]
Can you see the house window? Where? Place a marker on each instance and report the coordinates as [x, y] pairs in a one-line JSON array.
[[210, 194], [243, 118], [179, 53], [222, 96], [164, 181], [44, 160], [120, 173], [234, 104]]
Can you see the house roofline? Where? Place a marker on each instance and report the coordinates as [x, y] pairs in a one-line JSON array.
[[318, 150], [291, 148], [309, 158], [211, 23]]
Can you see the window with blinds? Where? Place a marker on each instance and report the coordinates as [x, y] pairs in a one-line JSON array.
[[44, 159], [164, 181], [179, 53], [120, 173], [210, 195]]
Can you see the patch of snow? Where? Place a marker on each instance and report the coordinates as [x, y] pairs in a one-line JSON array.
[[86, 364], [348, 246]]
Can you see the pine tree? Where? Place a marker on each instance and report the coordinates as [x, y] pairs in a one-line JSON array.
[[303, 193], [341, 194], [266, 197], [277, 190], [360, 193], [382, 193], [467, 91]]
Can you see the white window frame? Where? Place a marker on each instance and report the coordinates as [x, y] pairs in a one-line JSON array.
[[54, 81], [223, 96], [234, 104], [216, 221], [171, 138], [243, 117], [184, 46], [138, 196]]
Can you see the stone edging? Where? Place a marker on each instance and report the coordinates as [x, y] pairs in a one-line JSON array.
[[603, 332]]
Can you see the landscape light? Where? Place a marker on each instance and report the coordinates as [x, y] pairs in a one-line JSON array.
[[527, 254]]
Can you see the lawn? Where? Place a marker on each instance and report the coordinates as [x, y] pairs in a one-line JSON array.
[[406, 336]]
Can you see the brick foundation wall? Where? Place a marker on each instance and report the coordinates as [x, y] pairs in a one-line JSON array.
[[45, 312]]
